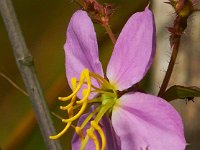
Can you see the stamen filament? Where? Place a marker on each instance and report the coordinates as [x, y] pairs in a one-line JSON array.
[[70, 111], [73, 82], [96, 88], [70, 104], [77, 115], [79, 132], [87, 93], [101, 82], [100, 78], [82, 77], [101, 133], [103, 110], [54, 137], [104, 92], [95, 100], [89, 117], [93, 137], [84, 143], [107, 98]]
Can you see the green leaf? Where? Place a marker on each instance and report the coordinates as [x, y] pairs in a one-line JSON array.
[[181, 92]]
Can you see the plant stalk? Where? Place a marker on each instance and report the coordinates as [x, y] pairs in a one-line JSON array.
[[170, 67], [25, 64], [110, 33]]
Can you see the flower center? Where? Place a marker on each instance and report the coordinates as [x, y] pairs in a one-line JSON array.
[[103, 94]]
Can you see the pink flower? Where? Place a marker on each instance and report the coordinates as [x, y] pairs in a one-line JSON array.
[[140, 121]]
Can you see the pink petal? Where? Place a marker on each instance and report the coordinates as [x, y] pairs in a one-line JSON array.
[[81, 49], [144, 121], [133, 51]]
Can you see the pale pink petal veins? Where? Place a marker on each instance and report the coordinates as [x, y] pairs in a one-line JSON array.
[[144, 121], [133, 51], [81, 49]]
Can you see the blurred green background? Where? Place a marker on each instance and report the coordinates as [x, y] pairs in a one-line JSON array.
[[44, 24]]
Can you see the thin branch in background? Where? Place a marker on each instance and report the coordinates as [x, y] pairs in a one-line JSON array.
[[13, 83], [57, 116], [25, 64]]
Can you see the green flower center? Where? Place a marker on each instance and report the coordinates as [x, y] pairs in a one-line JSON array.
[[106, 96]]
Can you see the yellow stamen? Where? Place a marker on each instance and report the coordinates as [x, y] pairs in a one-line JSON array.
[[79, 132], [84, 100], [89, 117], [73, 82], [70, 111], [104, 92], [105, 100], [93, 137], [78, 114], [54, 137], [70, 104], [86, 93], [101, 79], [81, 82], [95, 125]]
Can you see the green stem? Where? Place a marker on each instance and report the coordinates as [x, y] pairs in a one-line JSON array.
[[170, 67]]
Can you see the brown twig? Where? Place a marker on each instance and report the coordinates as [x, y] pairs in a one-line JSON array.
[[170, 67], [110, 33]]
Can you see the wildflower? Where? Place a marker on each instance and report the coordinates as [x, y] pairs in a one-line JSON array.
[[140, 121]]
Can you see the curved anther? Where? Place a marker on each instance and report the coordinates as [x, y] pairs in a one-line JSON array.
[[73, 82], [81, 82], [95, 125], [54, 137], [70, 104], [100, 79], [87, 92], [77, 115], [106, 92]]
